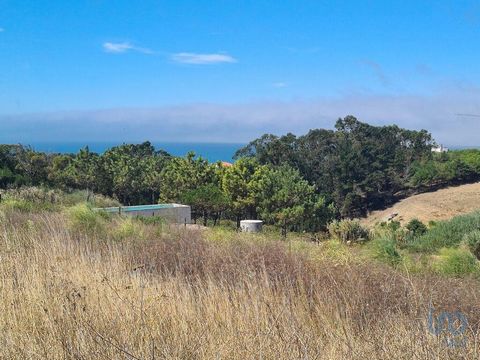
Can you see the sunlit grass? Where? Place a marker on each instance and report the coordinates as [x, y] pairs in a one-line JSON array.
[[145, 291]]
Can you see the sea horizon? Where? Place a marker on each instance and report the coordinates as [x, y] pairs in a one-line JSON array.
[[212, 151]]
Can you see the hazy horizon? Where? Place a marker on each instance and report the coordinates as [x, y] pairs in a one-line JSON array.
[[189, 71]]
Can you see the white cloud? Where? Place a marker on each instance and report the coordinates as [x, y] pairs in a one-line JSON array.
[[245, 121], [123, 47], [117, 47], [279, 84], [202, 59]]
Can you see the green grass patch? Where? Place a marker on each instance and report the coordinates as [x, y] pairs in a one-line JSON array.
[[384, 249], [446, 234], [27, 206], [456, 262], [83, 218]]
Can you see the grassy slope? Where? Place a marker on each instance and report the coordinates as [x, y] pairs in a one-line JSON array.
[[434, 206], [79, 285]]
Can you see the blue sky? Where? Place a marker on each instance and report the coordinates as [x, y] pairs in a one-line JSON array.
[[232, 70]]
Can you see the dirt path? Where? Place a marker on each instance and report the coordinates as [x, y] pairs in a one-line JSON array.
[[438, 205]]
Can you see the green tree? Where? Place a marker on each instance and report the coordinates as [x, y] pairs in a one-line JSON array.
[[60, 172], [208, 201], [357, 166], [290, 201], [183, 174], [240, 185], [131, 171], [32, 165], [83, 171]]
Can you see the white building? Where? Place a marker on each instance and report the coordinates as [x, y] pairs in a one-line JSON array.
[[439, 149]]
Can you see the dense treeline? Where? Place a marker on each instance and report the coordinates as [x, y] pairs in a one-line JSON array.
[[139, 174], [442, 169], [356, 166], [296, 182]]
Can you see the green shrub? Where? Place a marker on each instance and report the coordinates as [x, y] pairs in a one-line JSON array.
[[127, 227], [83, 218], [446, 233], [457, 262], [416, 227], [393, 225], [384, 249], [395, 231], [33, 194], [27, 206], [31, 198], [20, 205], [472, 240], [348, 231]]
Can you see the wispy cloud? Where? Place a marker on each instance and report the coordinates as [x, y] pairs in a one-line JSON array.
[[202, 59], [123, 47], [279, 84], [2, 29]]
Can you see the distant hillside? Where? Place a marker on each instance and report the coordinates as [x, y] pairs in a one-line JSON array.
[[438, 205]]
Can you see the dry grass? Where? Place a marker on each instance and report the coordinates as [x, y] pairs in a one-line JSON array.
[[438, 205], [176, 295]]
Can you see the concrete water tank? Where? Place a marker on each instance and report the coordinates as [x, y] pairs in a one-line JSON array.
[[253, 226]]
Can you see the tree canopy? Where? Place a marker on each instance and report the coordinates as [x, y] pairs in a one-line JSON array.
[[299, 182]]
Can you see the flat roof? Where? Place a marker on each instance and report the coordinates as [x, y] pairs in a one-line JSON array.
[[140, 208]]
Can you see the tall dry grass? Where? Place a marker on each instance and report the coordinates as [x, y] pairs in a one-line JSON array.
[[173, 294]]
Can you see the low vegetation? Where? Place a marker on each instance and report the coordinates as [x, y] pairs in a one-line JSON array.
[[446, 233], [78, 283], [348, 231]]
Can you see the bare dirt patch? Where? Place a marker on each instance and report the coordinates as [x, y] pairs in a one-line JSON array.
[[438, 205]]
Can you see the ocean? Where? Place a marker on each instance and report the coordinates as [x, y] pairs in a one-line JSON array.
[[210, 151]]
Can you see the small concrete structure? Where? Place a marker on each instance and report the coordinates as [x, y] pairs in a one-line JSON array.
[[174, 213], [253, 226]]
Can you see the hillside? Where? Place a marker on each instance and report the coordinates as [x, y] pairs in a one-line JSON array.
[[438, 205], [82, 284]]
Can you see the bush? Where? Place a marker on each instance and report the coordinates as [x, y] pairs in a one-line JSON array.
[[20, 205], [393, 230], [83, 218], [33, 194], [393, 225], [472, 240], [455, 262], [446, 233], [384, 249], [348, 231], [127, 227], [416, 227], [30, 198]]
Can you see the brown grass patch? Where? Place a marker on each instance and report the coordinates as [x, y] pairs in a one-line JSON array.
[[68, 295]]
